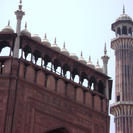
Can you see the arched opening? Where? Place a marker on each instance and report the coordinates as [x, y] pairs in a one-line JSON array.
[[118, 31], [36, 55], [85, 83], [26, 50], [58, 70], [66, 71], [101, 87], [28, 58], [5, 51], [76, 78], [58, 130], [124, 30], [4, 48], [92, 83], [49, 66], [130, 31], [68, 75]]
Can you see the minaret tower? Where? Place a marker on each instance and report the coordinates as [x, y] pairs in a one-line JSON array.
[[122, 44], [105, 59], [19, 15]]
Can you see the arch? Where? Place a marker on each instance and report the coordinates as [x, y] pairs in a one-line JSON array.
[[74, 72], [130, 31], [92, 83], [4, 44], [5, 51], [51, 82], [83, 76], [124, 30], [36, 55], [56, 64], [118, 31], [101, 87], [76, 79], [85, 83], [46, 60], [65, 68], [58, 130], [68, 75], [27, 50]]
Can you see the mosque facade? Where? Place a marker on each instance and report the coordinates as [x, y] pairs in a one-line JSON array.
[[45, 89]]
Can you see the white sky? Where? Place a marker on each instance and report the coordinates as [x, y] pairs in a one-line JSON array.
[[85, 25]]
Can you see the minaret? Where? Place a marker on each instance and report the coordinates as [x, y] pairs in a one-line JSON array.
[[122, 44], [105, 59], [19, 15]]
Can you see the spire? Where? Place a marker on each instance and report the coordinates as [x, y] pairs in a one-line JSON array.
[[8, 22], [26, 25], [123, 9], [105, 59], [64, 45], [45, 36], [90, 59], [55, 40], [98, 63], [20, 5], [105, 50], [81, 54]]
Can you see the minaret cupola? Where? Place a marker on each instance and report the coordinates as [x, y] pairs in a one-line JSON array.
[[123, 25]]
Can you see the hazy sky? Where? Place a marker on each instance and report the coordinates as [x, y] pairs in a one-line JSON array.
[[85, 25]]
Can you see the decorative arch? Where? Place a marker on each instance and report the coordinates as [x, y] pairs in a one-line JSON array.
[[27, 50], [92, 83], [36, 55], [124, 30], [5, 48]]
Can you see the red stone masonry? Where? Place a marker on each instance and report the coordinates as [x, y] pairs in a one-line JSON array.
[[37, 99]]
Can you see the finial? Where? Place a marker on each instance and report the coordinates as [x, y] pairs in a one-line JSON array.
[[64, 45], [45, 36], [20, 1], [105, 50], [20, 5], [89, 58], [25, 25], [55, 40], [81, 54], [8, 22], [123, 9], [97, 62]]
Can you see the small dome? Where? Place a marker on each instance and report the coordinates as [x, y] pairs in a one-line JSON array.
[[54, 46], [45, 41], [89, 63], [81, 59], [8, 29], [64, 50], [98, 67], [25, 31], [124, 16], [36, 37], [74, 56]]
